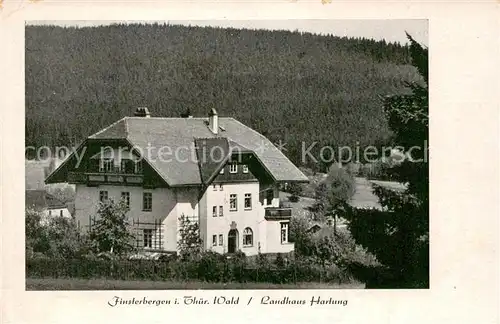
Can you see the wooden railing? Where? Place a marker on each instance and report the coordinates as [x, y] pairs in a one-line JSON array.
[[272, 213], [101, 177]]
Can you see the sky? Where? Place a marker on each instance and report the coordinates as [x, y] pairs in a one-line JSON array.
[[392, 30]]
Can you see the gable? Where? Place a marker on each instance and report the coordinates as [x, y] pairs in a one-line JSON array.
[[83, 160], [212, 154]]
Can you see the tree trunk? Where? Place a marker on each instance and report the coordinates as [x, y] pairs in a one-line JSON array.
[[334, 225]]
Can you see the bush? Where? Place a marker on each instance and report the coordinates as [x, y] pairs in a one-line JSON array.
[[190, 244], [279, 261], [209, 267], [168, 257], [57, 237], [295, 188]]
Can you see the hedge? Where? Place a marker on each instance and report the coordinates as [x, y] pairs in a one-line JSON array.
[[208, 268]]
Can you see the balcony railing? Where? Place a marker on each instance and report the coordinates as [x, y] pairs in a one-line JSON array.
[[274, 213], [102, 177]]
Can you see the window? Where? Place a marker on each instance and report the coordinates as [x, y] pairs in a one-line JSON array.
[[123, 165], [61, 213], [148, 238], [127, 166], [214, 211], [284, 232], [221, 171], [215, 188], [50, 212], [126, 198], [248, 237], [233, 168], [221, 211], [108, 165], [220, 188], [245, 168], [138, 167], [248, 201], [214, 240], [269, 196], [221, 240], [103, 196], [147, 201], [233, 203]]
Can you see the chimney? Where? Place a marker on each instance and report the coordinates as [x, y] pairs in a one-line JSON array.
[[142, 112], [213, 121]]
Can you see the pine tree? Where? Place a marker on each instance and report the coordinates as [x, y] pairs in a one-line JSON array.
[[399, 233]]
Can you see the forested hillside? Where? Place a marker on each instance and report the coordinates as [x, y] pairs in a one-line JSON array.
[[288, 85]]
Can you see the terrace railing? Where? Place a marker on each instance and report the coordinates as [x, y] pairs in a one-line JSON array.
[[272, 213]]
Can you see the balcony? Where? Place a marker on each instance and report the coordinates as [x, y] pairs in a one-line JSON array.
[[94, 178], [278, 213]]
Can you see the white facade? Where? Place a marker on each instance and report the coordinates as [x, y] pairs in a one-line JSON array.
[[218, 197], [169, 204], [241, 222], [58, 212], [167, 207]]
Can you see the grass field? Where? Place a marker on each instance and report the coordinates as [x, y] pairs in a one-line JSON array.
[[102, 284]]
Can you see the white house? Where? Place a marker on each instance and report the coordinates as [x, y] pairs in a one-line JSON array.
[[214, 170], [45, 203]]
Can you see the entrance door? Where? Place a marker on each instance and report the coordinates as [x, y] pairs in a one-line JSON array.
[[232, 241]]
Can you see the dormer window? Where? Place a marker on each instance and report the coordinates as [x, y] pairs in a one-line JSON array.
[[107, 165], [245, 168], [138, 167], [127, 166], [233, 168], [221, 171]]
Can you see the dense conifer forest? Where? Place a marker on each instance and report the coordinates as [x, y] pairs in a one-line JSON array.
[[287, 85]]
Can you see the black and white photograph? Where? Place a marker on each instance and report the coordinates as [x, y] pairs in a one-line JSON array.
[[277, 154]]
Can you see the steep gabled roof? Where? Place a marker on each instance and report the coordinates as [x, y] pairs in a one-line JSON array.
[[173, 146], [210, 160]]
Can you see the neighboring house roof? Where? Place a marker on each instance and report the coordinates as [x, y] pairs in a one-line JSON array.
[[179, 135], [71, 208], [54, 203], [315, 227], [40, 199]]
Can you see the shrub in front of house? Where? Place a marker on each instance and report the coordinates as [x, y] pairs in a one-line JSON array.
[[211, 267]]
